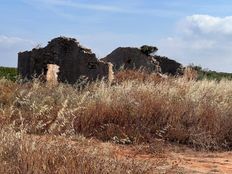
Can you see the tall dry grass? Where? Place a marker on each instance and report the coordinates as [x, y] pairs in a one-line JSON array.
[[25, 154], [132, 111], [189, 112]]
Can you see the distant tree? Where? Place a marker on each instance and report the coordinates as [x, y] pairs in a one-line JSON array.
[[196, 67], [148, 50]]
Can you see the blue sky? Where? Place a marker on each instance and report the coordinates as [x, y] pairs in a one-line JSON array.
[[189, 31]]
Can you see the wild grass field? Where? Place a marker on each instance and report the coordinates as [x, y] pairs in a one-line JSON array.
[[100, 128]]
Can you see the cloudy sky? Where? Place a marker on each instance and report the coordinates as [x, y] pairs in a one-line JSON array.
[[189, 31]]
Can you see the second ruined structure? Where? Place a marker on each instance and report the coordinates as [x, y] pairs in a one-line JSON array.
[[134, 58]]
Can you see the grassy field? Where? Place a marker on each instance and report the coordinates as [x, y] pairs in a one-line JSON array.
[[71, 129], [8, 73]]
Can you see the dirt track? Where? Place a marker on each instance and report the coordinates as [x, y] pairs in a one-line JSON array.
[[165, 159], [183, 160], [198, 162]]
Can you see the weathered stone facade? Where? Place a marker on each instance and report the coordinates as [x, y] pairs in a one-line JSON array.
[[134, 58], [74, 61], [169, 66]]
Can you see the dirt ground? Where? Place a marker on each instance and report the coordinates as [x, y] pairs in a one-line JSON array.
[[179, 159], [165, 158]]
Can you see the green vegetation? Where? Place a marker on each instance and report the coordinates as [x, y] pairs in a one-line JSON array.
[[8, 73], [148, 50], [211, 75]]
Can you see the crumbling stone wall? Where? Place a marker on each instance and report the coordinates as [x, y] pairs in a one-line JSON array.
[[132, 58], [169, 66], [74, 61]]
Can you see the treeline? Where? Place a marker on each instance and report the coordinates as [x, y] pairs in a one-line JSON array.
[[8, 73], [211, 75]]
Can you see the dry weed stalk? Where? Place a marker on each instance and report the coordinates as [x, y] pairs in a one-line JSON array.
[[190, 74], [110, 73]]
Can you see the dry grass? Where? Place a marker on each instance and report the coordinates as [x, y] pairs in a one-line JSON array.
[[21, 153], [190, 73], [132, 111], [138, 75]]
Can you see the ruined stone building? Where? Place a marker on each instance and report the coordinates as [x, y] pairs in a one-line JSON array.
[[169, 66], [73, 60], [131, 58], [134, 58]]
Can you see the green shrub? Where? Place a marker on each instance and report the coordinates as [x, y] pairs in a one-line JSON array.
[[148, 50]]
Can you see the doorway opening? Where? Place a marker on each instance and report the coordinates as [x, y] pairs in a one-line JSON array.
[[52, 74]]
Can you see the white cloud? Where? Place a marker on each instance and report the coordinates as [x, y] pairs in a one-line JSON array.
[[203, 40], [9, 48], [6, 41], [206, 24], [78, 5], [120, 6]]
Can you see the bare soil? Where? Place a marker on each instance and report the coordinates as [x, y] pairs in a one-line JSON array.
[[165, 158], [177, 159]]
